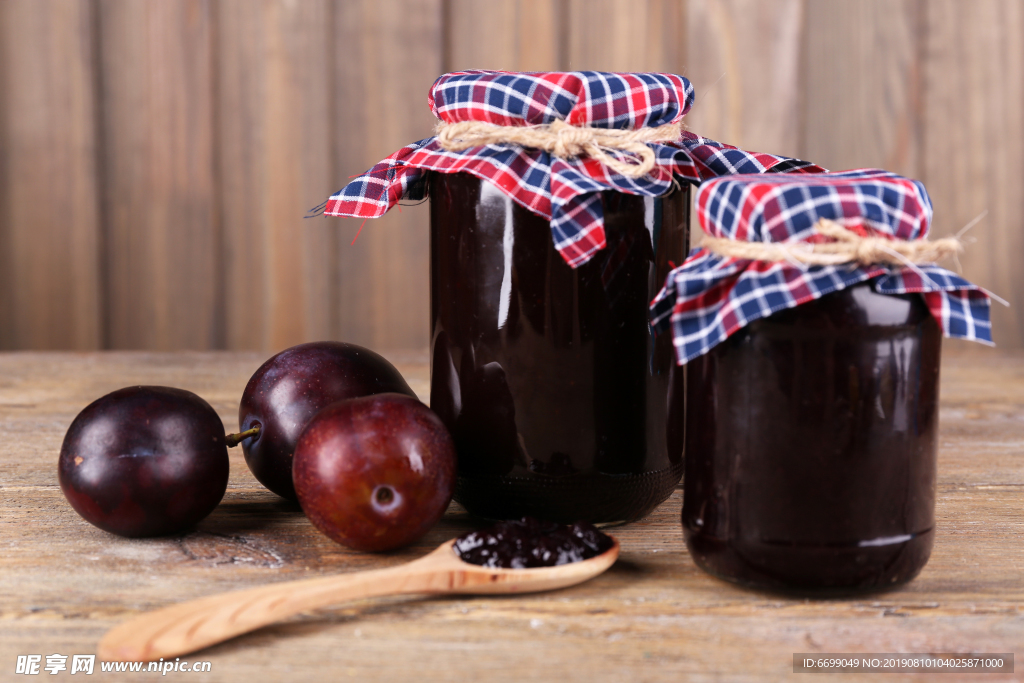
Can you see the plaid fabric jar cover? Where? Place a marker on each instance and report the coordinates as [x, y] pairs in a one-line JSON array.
[[564, 191], [710, 297]]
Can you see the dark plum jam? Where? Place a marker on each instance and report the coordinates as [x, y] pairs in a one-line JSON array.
[[527, 543], [811, 446], [561, 402]]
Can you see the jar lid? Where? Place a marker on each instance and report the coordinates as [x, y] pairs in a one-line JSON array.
[[784, 208], [565, 189], [580, 98], [777, 242]]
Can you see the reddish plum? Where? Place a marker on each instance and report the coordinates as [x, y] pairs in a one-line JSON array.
[[375, 473], [145, 461], [288, 390]]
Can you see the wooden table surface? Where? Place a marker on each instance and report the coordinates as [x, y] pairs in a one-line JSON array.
[[654, 616]]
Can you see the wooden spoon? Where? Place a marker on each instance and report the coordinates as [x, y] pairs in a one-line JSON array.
[[193, 625]]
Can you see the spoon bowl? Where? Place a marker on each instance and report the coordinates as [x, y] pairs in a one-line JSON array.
[[196, 624]]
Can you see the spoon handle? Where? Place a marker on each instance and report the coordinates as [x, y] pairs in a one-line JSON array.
[[193, 625]]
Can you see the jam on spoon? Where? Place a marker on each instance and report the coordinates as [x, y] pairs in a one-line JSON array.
[[529, 542], [189, 626]]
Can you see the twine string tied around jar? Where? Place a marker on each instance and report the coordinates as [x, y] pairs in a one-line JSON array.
[[847, 247], [564, 140]]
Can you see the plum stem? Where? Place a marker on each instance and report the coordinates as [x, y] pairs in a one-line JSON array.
[[235, 439]]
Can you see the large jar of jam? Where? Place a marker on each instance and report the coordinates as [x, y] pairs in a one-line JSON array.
[[562, 403], [811, 446]]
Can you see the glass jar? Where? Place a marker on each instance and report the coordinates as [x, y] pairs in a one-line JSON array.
[[811, 446], [562, 403]]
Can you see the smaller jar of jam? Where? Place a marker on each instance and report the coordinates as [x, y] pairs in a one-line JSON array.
[[812, 382]]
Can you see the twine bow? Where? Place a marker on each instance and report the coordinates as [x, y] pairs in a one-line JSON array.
[[848, 247], [564, 141]]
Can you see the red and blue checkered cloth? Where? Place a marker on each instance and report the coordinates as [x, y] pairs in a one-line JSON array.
[[564, 191], [710, 297]]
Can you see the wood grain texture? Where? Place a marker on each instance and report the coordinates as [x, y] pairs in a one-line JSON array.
[[508, 35], [274, 132], [162, 258], [626, 35], [974, 143], [387, 54], [186, 627], [157, 156], [862, 105], [747, 101], [49, 209], [653, 616]]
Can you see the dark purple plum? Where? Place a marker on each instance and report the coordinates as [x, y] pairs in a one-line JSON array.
[[290, 388], [375, 473], [145, 461]]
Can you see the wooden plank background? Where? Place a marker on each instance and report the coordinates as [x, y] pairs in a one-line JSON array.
[[156, 159]]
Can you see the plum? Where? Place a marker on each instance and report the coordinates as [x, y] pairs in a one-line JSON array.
[[375, 473], [145, 461], [288, 390]]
